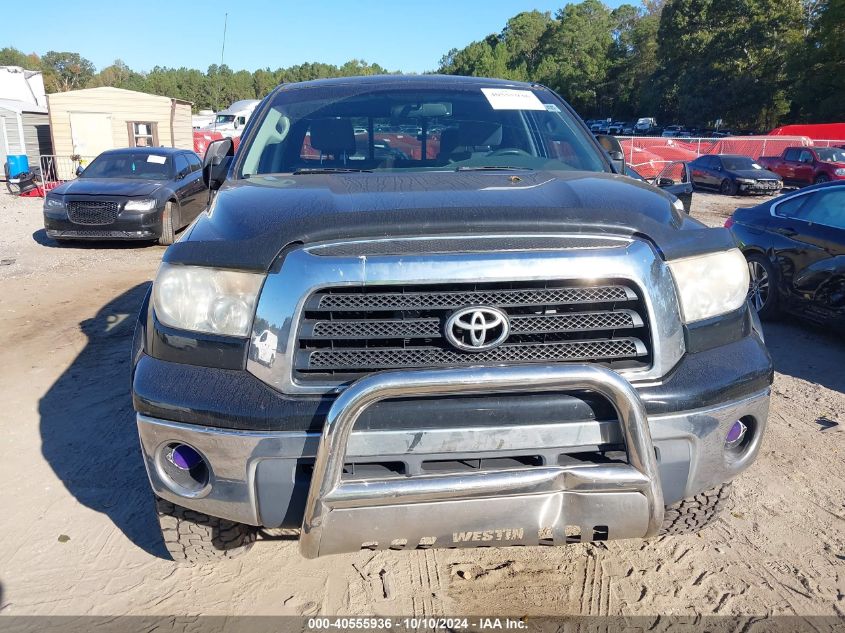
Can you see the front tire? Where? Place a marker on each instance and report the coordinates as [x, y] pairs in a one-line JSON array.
[[762, 290], [690, 515], [822, 178], [168, 232], [728, 187], [193, 538]]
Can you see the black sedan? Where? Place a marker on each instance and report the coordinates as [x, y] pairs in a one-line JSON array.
[[138, 193], [731, 174], [795, 247]]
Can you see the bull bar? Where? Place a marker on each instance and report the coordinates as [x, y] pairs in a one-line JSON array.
[[624, 499]]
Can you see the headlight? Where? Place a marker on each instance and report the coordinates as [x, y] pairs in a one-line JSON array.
[[140, 205], [710, 285], [55, 204], [746, 181], [206, 299], [840, 171]]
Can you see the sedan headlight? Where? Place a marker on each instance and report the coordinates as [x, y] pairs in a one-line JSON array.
[[54, 204], [140, 205], [746, 181], [710, 285], [840, 171], [206, 299]]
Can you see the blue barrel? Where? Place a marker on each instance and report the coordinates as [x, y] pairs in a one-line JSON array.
[[18, 164]]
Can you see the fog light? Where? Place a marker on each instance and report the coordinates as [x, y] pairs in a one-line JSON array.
[[184, 470], [736, 434], [183, 457]]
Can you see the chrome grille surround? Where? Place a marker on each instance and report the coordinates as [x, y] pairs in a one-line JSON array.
[[300, 273]]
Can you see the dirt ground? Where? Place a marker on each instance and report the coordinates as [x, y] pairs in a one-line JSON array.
[[80, 536]]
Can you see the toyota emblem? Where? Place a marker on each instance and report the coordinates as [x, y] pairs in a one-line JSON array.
[[477, 328]]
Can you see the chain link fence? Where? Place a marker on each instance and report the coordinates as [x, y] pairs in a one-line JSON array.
[[649, 154]]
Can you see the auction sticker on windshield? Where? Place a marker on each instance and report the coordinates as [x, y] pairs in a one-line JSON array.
[[508, 99]]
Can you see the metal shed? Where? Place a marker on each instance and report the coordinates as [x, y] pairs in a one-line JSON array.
[[89, 121], [24, 129]]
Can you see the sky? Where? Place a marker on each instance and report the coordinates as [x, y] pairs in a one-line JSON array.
[[398, 35]]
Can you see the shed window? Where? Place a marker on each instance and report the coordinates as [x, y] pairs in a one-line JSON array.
[[143, 134]]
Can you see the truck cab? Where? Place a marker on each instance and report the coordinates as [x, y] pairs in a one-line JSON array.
[[231, 121], [802, 166]]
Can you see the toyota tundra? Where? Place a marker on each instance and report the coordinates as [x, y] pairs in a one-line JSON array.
[[485, 336]]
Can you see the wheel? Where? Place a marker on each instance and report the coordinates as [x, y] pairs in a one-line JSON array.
[[728, 187], [168, 233], [688, 516], [762, 292], [822, 178], [193, 538]]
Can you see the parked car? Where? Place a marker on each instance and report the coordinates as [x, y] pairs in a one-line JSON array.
[[508, 343], [616, 128], [137, 193], [675, 178], [795, 247], [674, 131], [645, 126], [732, 174], [802, 166], [627, 129]]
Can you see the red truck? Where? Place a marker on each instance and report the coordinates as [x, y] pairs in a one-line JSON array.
[[800, 166]]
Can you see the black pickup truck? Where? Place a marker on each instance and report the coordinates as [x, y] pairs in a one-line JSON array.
[[432, 312]]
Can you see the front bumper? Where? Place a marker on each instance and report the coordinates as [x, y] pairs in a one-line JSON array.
[[759, 188], [129, 225], [263, 478]]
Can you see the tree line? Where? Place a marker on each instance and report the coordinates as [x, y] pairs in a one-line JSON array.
[[751, 63]]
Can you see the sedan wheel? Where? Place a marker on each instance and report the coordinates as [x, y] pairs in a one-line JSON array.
[[761, 289], [728, 187]]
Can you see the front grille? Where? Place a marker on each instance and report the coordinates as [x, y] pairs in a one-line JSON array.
[[346, 332], [92, 212]]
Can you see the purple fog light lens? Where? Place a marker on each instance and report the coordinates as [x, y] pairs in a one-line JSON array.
[[184, 457], [736, 434]]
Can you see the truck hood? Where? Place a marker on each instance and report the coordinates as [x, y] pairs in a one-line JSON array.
[[253, 220], [108, 187]]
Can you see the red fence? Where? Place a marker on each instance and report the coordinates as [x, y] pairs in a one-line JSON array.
[[648, 155]]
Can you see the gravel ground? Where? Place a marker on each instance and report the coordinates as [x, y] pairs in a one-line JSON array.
[[80, 536]]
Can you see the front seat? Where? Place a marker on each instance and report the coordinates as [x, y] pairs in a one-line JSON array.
[[469, 139], [333, 137]]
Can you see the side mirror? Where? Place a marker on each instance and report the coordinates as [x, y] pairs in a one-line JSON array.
[[665, 182], [614, 150], [215, 165]]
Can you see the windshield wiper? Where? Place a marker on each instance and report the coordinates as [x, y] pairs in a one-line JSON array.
[[330, 170], [491, 167]]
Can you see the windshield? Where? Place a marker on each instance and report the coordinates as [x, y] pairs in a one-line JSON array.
[[739, 163], [124, 165], [831, 155], [403, 128], [221, 119]]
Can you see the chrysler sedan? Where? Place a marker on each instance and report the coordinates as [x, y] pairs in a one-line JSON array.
[[138, 193]]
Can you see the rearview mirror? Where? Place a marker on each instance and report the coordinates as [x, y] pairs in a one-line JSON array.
[[614, 150], [215, 165]]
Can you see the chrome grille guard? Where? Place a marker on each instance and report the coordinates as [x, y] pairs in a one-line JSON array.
[[626, 499]]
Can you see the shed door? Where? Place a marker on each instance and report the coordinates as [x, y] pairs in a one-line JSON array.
[[91, 133]]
